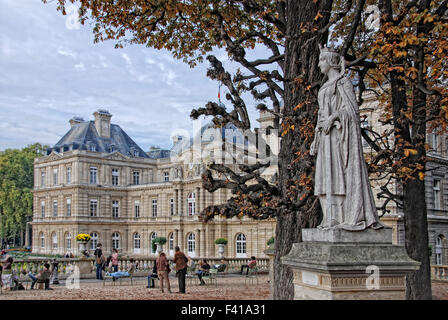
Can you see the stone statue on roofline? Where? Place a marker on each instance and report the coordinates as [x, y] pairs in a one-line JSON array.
[[341, 178]]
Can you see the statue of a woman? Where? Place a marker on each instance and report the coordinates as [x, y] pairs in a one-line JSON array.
[[341, 179]]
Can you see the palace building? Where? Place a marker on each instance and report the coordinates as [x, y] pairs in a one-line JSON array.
[[97, 180]]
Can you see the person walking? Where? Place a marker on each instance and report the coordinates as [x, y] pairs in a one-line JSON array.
[[99, 261], [162, 270], [181, 268]]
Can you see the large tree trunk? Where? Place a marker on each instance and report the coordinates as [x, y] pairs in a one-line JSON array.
[[301, 59], [418, 283]]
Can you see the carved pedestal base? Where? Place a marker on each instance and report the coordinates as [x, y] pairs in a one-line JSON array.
[[346, 270]]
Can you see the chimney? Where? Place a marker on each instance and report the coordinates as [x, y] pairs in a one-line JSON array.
[[75, 120], [102, 122]]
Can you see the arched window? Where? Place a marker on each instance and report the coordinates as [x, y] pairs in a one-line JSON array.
[[439, 246], [137, 239], [171, 244], [191, 204], [68, 240], [54, 238], [115, 240], [153, 236], [42, 240], [191, 244], [93, 240], [240, 245]]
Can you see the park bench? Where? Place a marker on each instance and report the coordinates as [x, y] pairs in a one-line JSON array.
[[107, 276]]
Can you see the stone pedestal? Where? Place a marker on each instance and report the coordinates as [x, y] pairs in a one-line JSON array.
[[85, 268], [355, 265]]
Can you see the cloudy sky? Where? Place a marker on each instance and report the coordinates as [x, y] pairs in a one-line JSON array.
[[51, 71]]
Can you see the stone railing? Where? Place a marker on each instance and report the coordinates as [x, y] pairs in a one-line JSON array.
[[439, 272], [144, 265]]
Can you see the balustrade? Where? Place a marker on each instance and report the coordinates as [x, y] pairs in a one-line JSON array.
[[145, 265], [439, 272]]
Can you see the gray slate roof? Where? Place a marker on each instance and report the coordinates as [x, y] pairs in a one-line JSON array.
[[82, 135]]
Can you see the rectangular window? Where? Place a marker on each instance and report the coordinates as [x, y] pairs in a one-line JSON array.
[[55, 176], [93, 208], [55, 208], [42, 209], [42, 178], [68, 207], [115, 174], [172, 207], [166, 176], [437, 194], [137, 208], [115, 209], [93, 175], [69, 175], [136, 176], [154, 208]]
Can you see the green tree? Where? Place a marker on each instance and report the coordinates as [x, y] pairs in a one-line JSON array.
[[16, 184]]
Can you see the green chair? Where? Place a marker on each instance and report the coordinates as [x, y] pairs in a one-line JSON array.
[[251, 275], [211, 277], [191, 276]]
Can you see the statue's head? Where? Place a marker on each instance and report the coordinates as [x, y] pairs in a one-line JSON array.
[[329, 58]]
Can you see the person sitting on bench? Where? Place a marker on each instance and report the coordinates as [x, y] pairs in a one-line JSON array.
[[252, 263], [43, 276], [152, 276], [127, 273]]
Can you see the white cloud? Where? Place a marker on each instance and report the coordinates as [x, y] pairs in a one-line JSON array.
[[80, 66], [126, 58], [66, 52]]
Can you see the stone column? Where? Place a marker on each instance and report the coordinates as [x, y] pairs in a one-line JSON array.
[[198, 200], [181, 239], [176, 237], [336, 264], [179, 202], [199, 243]]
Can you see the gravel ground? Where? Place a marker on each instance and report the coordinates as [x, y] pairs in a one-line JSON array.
[[229, 288]]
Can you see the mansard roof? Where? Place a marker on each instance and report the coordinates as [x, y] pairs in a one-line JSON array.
[[84, 136]]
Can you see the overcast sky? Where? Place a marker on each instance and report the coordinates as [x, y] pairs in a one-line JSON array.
[[50, 71]]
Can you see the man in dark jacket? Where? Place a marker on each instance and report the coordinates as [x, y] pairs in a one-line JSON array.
[[181, 268]]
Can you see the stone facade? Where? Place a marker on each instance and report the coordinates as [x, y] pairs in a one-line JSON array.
[[436, 181], [124, 201]]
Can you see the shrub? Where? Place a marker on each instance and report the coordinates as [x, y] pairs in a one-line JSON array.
[[270, 241], [159, 240], [221, 241]]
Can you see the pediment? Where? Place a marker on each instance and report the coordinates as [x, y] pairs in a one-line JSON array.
[[53, 156], [115, 156]]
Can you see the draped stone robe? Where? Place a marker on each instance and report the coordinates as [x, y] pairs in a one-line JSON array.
[[348, 167]]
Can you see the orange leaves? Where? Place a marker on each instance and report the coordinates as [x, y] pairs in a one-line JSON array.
[[318, 16], [421, 176], [408, 152]]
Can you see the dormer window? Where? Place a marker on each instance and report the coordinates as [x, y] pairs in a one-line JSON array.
[[136, 153], [111, 148], [92, 147]]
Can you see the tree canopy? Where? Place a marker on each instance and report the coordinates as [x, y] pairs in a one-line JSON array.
[[16, 185]]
